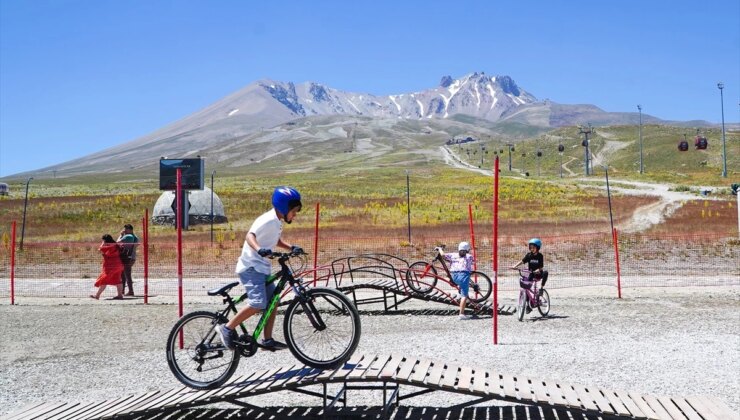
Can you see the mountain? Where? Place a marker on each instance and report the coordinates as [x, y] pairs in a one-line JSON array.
[[475, 104]]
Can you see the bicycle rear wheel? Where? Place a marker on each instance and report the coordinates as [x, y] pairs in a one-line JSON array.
[[322, 329], [480, 287], [202, 362], [421, 277], [522, 305], [544, 300]]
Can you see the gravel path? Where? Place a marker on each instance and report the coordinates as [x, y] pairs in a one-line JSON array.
[[677, 341]]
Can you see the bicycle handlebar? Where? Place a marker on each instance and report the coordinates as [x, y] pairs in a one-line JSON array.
[[286, 255]]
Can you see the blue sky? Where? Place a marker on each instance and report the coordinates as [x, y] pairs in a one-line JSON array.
[[79, 76]]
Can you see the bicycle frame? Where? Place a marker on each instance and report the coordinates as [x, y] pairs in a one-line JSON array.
[[532, 291], [448, 279], [285, 276]]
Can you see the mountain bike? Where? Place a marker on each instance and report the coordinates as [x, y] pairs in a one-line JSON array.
[[422, 277], [321, 328], [530, 297]]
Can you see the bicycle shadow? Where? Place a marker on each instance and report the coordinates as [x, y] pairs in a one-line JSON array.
[[415, 312], [547, 318]]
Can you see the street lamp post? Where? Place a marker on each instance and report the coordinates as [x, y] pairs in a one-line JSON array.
[[639, 109], [721, 86], [408, 204], [25, 205], [511, 147], [609, 195], [212, 174]]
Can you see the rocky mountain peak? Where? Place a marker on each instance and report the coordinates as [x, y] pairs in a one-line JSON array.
[[286, 95], [446, 81], [508, 85], [318, 92]]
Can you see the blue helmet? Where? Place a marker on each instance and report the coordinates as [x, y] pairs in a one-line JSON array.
[[285, 198], [536, 242]]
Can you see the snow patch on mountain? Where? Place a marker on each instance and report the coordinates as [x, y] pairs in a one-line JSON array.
[[393, 99]]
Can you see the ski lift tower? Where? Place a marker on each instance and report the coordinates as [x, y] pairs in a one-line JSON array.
[[586, 131]]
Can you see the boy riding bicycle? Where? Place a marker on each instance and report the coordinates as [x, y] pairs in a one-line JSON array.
[[253, 267], [536, 263], [461, 264]]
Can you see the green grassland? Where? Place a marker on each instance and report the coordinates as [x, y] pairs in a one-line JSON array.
[[355, 199], [358, 175]]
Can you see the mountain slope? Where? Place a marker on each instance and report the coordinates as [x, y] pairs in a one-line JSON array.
[[255, 116]]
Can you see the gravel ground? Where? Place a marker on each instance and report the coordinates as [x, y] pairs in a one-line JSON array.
[[663, 341]]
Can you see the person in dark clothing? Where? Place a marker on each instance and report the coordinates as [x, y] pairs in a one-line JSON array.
[[535, 262], [128, 242]]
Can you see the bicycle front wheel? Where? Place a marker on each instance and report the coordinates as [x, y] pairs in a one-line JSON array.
[[480, 287], [203, 362], [544, 300], [421, 277], [522, 305], [322, 328]]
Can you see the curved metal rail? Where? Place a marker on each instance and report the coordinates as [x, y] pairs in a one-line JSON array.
[[387, 273]]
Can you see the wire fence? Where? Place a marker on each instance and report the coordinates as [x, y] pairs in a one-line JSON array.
[[69, 269]]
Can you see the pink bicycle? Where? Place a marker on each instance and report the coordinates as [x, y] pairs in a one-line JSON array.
[[530, 297]]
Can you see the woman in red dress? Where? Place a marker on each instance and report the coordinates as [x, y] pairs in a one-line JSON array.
[[112, 268]]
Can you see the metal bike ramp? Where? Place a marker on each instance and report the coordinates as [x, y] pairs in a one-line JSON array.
[[391, 288], [387, 274], [390, 373]]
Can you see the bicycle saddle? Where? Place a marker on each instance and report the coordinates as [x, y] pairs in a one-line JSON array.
[[222, 290]]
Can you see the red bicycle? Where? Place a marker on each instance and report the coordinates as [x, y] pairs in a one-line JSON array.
[[422, 277]]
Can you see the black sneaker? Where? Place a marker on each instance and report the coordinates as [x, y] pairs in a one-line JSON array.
[[540, 292], [227, 336], [272, 344]]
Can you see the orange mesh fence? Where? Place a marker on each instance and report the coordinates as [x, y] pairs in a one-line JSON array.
[[680, 260], [69, 269]]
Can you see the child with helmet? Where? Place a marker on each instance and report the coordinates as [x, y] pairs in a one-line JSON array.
[[460, 264], [535, 261], [253, 267]]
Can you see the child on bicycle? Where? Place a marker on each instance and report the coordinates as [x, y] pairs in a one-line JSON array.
[[253, 267], [536, 263], [461, 264]]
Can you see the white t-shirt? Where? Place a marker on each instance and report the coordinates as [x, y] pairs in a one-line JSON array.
[[267, 228]]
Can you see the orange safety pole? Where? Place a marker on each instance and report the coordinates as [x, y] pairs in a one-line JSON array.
[[316, 245], [495, 250], [12, 264], [472, 235], [145, 228], [616, 258], [178, 222], [472, 239]]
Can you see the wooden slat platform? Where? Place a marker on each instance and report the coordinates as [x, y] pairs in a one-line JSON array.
[[400, 370]]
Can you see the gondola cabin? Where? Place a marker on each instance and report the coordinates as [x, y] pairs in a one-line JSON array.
[[4, 190], [683, 145], [700, 142]]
